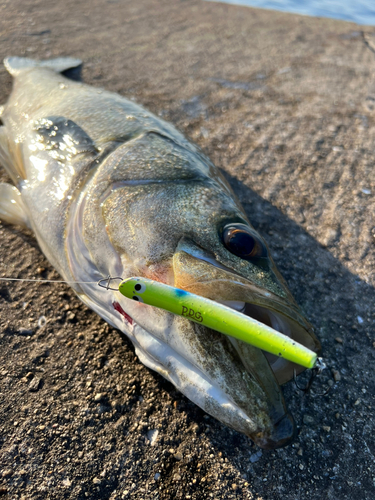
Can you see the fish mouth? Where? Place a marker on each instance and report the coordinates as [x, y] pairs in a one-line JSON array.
[[283, 369], [198, 273], [205, 277]]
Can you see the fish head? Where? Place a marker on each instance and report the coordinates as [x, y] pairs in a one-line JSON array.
[[238, 271], [194, 235]]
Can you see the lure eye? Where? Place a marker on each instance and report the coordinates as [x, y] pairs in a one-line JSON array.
[[137, 299], [243, 241], [140, 288]]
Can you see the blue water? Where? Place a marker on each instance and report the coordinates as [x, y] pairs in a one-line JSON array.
[[357, 11]]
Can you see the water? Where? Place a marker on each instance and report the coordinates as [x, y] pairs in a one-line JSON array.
[[357, 11]]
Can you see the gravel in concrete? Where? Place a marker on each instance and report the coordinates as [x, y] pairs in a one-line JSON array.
[[284, 105]]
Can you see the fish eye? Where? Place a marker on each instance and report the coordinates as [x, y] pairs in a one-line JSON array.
[[243, 241], [140, 288], [137, 299]]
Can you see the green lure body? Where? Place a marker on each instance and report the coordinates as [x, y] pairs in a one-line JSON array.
[[217, 317]]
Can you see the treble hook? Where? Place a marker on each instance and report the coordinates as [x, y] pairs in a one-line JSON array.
[[108, 280], [317, 370]]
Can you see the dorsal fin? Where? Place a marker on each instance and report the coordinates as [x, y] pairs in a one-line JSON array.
[[15, 65]]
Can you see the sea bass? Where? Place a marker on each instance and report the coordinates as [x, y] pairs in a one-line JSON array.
[[110, 189]]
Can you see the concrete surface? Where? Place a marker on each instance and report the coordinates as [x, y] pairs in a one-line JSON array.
[[284, 105]]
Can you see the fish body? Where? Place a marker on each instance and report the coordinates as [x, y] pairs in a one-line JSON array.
[[110, 189]]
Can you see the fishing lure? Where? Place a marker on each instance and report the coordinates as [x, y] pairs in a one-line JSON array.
[[218, 317]]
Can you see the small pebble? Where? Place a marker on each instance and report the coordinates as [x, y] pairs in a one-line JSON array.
[[255, 456], [96, 480], [7, 472], [336, 375], [204, 132], [99, 396], [80, 454], [70, 316], [308, 420], [157, 476], [300, 452], [152, 436], [357, 402], [25, 331], [326, 428], [35, 384], [301, 466], [67, 482], [234, 486], [178, 456], [339, 340]]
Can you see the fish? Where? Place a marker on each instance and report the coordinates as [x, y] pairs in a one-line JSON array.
[[109, 189]]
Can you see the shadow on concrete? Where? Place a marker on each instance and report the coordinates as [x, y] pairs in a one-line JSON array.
[[339, 305]]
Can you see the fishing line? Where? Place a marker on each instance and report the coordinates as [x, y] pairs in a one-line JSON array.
[[51, 281]]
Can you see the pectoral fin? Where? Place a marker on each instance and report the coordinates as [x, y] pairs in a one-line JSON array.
[[11, 157], [12, 209]]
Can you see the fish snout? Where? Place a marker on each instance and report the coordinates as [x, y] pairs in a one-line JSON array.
[[283, 433]]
